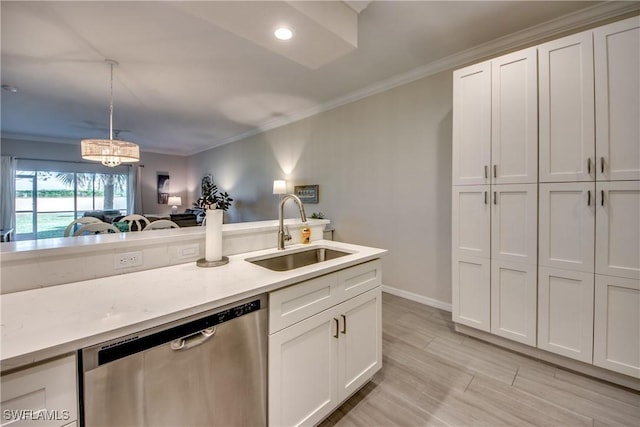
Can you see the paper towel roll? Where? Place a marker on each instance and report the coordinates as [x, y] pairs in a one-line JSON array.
[[213, 235]]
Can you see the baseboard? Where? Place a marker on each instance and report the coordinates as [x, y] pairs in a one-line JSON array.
[[417, 298]]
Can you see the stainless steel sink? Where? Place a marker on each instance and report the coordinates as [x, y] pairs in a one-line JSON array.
[[297, 258]]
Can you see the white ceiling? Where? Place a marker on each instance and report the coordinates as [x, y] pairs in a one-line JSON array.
[[186, 84]]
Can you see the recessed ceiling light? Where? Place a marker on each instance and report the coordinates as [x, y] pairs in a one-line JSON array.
[[283, 33]]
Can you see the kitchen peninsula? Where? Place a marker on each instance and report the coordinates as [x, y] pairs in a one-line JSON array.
[[45, 326]]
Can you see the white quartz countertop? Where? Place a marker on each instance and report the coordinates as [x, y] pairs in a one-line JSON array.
[[42, 323]]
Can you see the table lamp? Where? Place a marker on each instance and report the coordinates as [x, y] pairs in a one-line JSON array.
[[175, 201]]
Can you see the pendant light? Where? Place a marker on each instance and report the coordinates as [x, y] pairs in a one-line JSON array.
[[110, 152]]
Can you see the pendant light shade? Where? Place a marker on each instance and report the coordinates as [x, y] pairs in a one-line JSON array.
[[110, 152]]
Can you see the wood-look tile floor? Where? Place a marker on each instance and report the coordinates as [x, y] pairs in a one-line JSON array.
[[433, 376]]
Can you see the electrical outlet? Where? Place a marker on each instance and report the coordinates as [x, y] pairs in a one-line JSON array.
[[126, 260]]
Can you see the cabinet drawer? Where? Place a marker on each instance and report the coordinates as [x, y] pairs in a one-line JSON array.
[[295, 303], [44, 395], [356, 280]]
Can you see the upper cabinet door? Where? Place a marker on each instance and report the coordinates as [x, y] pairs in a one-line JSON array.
[[617, 88], [472, 124], [514, 118], [567, 135]]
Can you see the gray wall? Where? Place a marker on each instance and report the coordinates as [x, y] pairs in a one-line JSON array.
[[383, 164]]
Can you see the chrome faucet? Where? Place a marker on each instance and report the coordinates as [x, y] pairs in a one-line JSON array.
[[282, 236]]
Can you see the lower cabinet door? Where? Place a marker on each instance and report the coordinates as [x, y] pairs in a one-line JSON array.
[[617, 325], [303, 370], [43, 395], [471, 289], [360, 342], [565, 313], [513, 301]]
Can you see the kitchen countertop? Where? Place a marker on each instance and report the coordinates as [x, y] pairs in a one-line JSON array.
[[42, 323]]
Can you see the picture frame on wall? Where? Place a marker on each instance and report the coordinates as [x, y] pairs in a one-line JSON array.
[[307, 193], [163, 188]]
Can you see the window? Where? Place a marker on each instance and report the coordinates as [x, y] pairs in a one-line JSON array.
[[48, 200]]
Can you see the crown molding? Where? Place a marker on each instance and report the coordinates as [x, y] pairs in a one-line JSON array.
[[555, 27]]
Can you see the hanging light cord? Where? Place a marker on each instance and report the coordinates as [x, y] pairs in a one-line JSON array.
[[111, 103]]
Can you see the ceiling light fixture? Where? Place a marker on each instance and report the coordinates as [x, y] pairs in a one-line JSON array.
[[110, 152], [283, 33]]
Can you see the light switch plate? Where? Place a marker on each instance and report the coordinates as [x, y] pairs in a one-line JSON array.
[[188, 251]]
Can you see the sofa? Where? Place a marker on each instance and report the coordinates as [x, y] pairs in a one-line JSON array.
[[104, 215]]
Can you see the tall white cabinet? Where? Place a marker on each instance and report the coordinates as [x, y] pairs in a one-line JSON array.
[[559, 267], [495, 196]]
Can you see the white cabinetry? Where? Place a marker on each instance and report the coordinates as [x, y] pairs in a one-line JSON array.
[[586, 252], [494, 236], [324, 354], [617, 90], [472, 124], [567, 149], [565, 312], [514, 223], [618, 229], [567, 221], [617, 325], [471, 287], [514, 118], [41, 395]]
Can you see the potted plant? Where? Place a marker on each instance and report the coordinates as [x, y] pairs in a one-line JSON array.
[[210, 198]]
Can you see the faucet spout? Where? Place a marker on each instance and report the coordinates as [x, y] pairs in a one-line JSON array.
[[282, 236]]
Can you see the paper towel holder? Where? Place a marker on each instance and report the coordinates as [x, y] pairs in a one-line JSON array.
[[202, 262]]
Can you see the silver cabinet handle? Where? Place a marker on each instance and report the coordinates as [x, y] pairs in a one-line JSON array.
[[495, 171], [589, 165], [337, 327], [185, 343], [486, 171], [344, 324], [601, 164], [495, 198], [485, 197]]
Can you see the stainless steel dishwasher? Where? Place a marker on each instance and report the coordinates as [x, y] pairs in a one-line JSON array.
[[206, 370]]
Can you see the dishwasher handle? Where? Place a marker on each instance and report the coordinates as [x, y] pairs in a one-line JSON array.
[[185, 343]]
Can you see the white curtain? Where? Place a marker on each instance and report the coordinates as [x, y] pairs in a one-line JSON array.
[[135, 190], [7, 192]]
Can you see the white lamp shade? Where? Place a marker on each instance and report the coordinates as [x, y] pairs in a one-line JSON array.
[[110, 152], [279, 186], [175, 201]]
